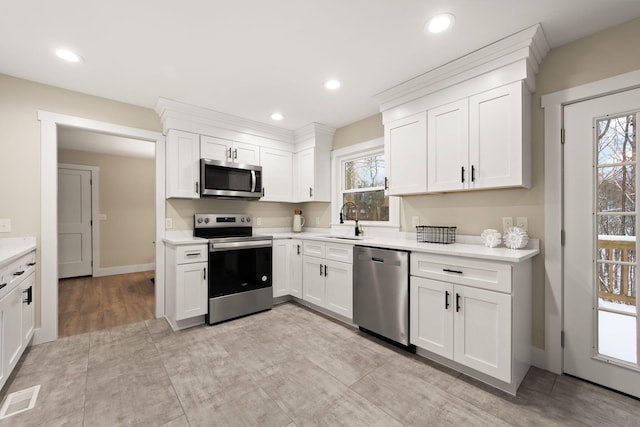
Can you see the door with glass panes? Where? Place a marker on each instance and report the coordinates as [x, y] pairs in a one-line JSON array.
[[600, 250]]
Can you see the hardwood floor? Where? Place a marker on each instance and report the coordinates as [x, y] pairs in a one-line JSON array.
[[87, 304]]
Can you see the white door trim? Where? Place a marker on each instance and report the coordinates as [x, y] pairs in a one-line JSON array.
[[95, 209], [48, 299], [553, 104]]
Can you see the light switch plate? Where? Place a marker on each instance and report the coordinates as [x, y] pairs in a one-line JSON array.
[[522, 222], [102, 217], [5, 225], [507, 222], [258, 221], [168, 223]]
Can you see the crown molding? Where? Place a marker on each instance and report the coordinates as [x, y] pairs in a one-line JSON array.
[[529, 45], [177, 115]]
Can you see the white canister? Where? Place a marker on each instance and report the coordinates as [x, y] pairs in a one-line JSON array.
[[298, 221]]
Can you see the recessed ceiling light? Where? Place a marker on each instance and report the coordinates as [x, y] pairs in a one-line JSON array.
[[277, 116], [332, 84], [439, 23], [67, 55]]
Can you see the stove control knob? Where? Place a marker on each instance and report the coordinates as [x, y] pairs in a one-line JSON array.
[[199, 220], [248, 219], [242, 219], [206, 220]]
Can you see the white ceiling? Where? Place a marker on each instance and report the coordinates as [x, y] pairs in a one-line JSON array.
[[250, 58]]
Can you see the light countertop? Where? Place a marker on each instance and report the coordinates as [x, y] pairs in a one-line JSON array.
[[179, 238], [12, 248]]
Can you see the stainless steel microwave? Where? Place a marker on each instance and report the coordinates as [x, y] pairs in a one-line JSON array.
[[230, 180]]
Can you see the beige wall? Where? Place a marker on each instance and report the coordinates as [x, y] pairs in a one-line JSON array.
[[592, 58], [127, 197]]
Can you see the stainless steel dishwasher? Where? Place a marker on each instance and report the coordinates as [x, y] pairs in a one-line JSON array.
[[381, 292]]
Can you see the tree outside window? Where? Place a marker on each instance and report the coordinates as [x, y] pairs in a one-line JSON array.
[[363, 184]]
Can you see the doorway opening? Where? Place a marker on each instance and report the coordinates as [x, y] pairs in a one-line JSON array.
[[106, 224]]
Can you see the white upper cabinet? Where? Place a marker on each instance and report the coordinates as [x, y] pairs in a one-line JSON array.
[[312, 176], [479, 142], [229, 151], [182, 164], [499, 143], [277, 173], [406, 155], [448, 147]]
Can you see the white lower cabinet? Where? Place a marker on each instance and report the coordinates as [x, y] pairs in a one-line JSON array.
[[470, 326], [287, 268], [187, 284], [327, 276], [474, 313], [17, 315]]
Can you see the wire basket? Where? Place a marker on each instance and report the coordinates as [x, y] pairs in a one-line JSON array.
[[435, 234]]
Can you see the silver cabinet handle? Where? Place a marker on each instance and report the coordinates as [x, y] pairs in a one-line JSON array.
[[235, 153], [310, 192], [321, 269], [325, 270], [298, 249], [197, 187], [229, 155], [204, 276]]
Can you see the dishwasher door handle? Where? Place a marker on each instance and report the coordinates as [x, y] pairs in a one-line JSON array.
[[374, 259]]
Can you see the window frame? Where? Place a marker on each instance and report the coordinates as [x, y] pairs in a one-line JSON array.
[[338, 158]]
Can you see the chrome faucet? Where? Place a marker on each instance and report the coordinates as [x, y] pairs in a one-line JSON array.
[[357, 231]]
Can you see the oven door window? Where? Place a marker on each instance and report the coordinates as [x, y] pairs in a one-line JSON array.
[[239, 270]]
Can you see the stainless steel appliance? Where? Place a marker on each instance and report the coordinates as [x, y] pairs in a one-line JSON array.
[[239, 266], [381, 292], [230, 180]]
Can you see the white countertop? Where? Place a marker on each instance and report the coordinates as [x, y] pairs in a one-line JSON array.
[[469, 248], [12, 248], [178, 238]]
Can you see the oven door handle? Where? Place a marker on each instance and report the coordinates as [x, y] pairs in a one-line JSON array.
[[217, 247]]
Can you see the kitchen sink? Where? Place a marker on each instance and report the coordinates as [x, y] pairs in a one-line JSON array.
[[333, 236]]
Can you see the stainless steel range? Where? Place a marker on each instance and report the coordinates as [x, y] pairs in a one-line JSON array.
[[239, 266]]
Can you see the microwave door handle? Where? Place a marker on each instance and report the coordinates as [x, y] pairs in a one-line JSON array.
[[253, 181]]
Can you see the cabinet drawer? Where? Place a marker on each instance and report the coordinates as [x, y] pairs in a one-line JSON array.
[[311, 248], [479, 274], [192, 253], [342, 253]]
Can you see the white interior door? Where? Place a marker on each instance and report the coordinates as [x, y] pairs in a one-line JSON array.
[[600, 251], [74, 223]]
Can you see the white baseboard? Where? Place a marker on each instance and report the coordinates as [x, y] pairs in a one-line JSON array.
[[538, 358], [124, 269]]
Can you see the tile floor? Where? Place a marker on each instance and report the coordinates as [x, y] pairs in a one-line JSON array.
[[285, 367]]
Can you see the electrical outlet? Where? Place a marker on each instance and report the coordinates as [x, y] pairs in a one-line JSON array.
[[168, 223], [258, 221], [415, 220], [507, 222], [5, 225], [317, 220], [522, 222], [102, 217]]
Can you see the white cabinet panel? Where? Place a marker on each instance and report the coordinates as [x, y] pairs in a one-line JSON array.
[[312, 175], [186, 284], [281, 274], [28, 308], [182, 164], [483, 331], [448, 147], [295, 256], [339, 288], [245, 153], [496, 140], [11, 312], [432, 316], [191, 295], [406, 155], [229, 151], [277, 175], [313, 285]]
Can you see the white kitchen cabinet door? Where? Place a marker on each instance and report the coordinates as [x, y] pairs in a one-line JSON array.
[[28, 308], [244, 153], [11, 313], [448, 147], [305, 173], [431, 315], [281, 271], [295, 256], [339, 288], [182, 164], [497, 145], [313, 283], [215, 148], [482, 331], [191, 290], [312, 177], [406, 155], [277, 175]]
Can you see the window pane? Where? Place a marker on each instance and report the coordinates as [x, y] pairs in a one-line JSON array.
[[616, 225], [372, 206], [617, 189], [616, 140], [364, 173], [617, 336], [617, 285]]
